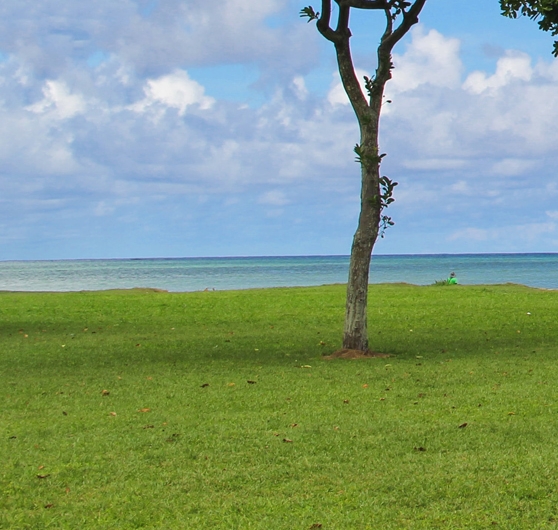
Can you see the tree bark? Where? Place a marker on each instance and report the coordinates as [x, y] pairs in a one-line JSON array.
[[355, 336]]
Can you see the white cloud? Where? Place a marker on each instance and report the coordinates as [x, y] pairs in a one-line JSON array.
[[175, 90], [52, 33], [435, 164], [58, 101], [458, 121], [520, 233], [300, 87], [274, 198], [462, 187], [472, 234], [337, 94], [514, 66], [430, 59], [513, 167], [137, 128]]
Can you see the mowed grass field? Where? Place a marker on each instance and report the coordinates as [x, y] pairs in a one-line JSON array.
[[143, 409]]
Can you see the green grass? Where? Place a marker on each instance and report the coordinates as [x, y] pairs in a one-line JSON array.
[[135, 408]]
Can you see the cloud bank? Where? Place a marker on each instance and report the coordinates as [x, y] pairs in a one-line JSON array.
[[112, 147]]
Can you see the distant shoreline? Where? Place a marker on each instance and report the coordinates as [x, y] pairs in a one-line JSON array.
[[240, 273]]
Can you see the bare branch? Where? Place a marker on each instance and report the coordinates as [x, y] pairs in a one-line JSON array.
[[389, 25], [410, 18], [350, 80], [323, 23], [365, 4], [343, 21]]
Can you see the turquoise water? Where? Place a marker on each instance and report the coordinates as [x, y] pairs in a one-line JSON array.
[[196, 274]]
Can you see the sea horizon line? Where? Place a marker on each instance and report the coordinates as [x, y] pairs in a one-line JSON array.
[[287, 256]]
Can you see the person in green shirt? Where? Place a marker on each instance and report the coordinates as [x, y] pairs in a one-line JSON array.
[[452, 280]]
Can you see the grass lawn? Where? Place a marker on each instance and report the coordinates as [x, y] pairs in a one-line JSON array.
[[141, 409]]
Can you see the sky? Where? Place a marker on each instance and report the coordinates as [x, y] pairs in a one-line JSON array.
[[181, 128]]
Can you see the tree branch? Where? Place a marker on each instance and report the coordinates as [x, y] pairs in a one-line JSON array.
[[365, 4], [350, 80], [410, 18], [323, 23], [343, 21]]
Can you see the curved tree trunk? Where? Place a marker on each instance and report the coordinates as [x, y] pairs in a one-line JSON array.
[[367, 111], [355, 334]]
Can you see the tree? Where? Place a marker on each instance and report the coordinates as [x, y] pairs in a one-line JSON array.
[[377, 190], [546, 11]]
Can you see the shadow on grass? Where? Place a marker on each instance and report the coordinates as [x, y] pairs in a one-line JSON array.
[[273, 326]]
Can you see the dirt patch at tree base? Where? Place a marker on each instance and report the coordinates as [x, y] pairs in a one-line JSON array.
[[355, 354]]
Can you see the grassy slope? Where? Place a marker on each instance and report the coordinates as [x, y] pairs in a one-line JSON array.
[[215, 456]]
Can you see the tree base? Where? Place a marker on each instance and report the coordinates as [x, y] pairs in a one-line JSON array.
[[355, 354]]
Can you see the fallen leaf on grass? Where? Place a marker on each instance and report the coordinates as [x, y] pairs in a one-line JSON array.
[[113, 413], [49, 505], [231, 384], [144, 410], [43, 476], [463, 425], [306, 366], [365, 386], [511, 413], [346, 401], [420, 449], [286, 440], [205, 385], [294, 425], [105, 393]]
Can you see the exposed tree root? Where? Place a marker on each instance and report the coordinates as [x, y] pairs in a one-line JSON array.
[[355, 354]]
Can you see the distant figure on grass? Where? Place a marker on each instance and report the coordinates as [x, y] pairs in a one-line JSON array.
[[452, 280]]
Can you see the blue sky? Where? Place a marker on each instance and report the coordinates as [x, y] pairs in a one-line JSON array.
[[167, 128]]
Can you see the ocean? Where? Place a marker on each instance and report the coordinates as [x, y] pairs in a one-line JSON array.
[[198, 274]]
